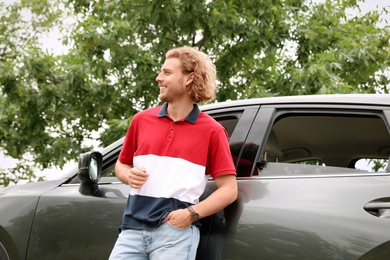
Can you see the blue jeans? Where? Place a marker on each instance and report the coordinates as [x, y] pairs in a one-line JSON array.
[[164, 242]]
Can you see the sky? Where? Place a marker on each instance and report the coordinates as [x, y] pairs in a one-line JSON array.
[[51, 42]]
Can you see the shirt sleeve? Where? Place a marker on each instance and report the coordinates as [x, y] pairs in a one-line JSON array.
[[130, 143], [220, 160]]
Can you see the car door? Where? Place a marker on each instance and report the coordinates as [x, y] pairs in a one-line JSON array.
[[304, 196], [237, 122], [69, 223], [72, 224]]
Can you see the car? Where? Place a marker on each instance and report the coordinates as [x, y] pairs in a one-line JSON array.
[[312, 178]]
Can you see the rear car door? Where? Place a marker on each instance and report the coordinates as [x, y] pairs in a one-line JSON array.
[[305, 195]]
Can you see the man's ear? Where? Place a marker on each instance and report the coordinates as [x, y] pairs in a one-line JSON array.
[[190, 78]]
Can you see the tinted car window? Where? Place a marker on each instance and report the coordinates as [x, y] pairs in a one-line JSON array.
[[317, 143]]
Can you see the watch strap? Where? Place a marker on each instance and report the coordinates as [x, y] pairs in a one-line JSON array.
[[194, 214]]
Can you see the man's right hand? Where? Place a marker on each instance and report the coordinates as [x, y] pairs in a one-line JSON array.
[[137, 177]]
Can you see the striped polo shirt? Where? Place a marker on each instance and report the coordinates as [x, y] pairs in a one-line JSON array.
[[179, 157]]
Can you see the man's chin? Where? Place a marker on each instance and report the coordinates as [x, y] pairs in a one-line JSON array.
[[162, 98]]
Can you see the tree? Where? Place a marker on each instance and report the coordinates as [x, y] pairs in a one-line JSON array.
[[52, 106]]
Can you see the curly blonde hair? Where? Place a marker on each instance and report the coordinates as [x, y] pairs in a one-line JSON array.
[[203, 86]]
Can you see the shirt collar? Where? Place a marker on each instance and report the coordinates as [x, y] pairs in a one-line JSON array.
[[192, 117]]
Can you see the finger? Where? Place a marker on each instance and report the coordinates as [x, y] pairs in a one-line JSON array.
[[135, 185], [139, 173], [137, 178]]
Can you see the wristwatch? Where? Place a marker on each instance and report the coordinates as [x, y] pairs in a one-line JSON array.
[[194, 214]]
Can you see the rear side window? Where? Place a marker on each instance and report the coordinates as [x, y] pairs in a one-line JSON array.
[[325, 143], [228, 122]]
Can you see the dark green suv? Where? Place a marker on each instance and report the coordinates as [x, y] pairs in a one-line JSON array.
[[307, 188]]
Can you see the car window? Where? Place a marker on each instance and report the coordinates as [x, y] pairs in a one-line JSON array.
[[228, 121], [322, 143], [376, 165]]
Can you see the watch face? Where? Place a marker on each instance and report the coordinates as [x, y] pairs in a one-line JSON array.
[[194, 216]]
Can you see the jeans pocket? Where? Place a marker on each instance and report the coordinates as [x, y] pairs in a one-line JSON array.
[[177, 228]]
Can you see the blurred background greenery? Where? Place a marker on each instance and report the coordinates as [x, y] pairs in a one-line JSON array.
[[57, 104]]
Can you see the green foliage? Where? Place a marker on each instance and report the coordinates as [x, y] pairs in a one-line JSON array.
[[339, 55], [52, 105], [379, 165]]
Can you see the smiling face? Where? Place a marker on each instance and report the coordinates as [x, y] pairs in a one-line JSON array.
[[172, 81]]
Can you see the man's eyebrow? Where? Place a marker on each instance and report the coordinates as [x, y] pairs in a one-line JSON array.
[[166, 70]]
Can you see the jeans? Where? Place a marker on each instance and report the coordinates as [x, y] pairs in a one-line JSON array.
[[164, 242]]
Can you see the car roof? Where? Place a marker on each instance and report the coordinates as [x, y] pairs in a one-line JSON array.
[[353, 99]]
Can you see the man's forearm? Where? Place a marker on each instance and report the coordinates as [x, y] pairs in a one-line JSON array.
[[224, 195], [121, 171]]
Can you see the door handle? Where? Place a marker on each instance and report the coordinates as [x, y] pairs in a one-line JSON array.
[[379, 207]]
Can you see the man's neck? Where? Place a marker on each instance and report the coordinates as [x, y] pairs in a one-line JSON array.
[[179, 110]]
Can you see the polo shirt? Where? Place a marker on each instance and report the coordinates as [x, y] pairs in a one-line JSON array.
[[179, 157]]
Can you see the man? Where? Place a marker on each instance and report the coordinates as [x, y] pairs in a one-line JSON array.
[[168, 153]]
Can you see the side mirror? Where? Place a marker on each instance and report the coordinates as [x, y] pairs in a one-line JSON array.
[[90, 169]]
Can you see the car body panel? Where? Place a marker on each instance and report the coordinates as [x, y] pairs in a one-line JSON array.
[[17, 207], [291, 226], [53, 236]]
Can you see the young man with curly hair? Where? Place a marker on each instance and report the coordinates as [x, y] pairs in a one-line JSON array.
[[168, 154]]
